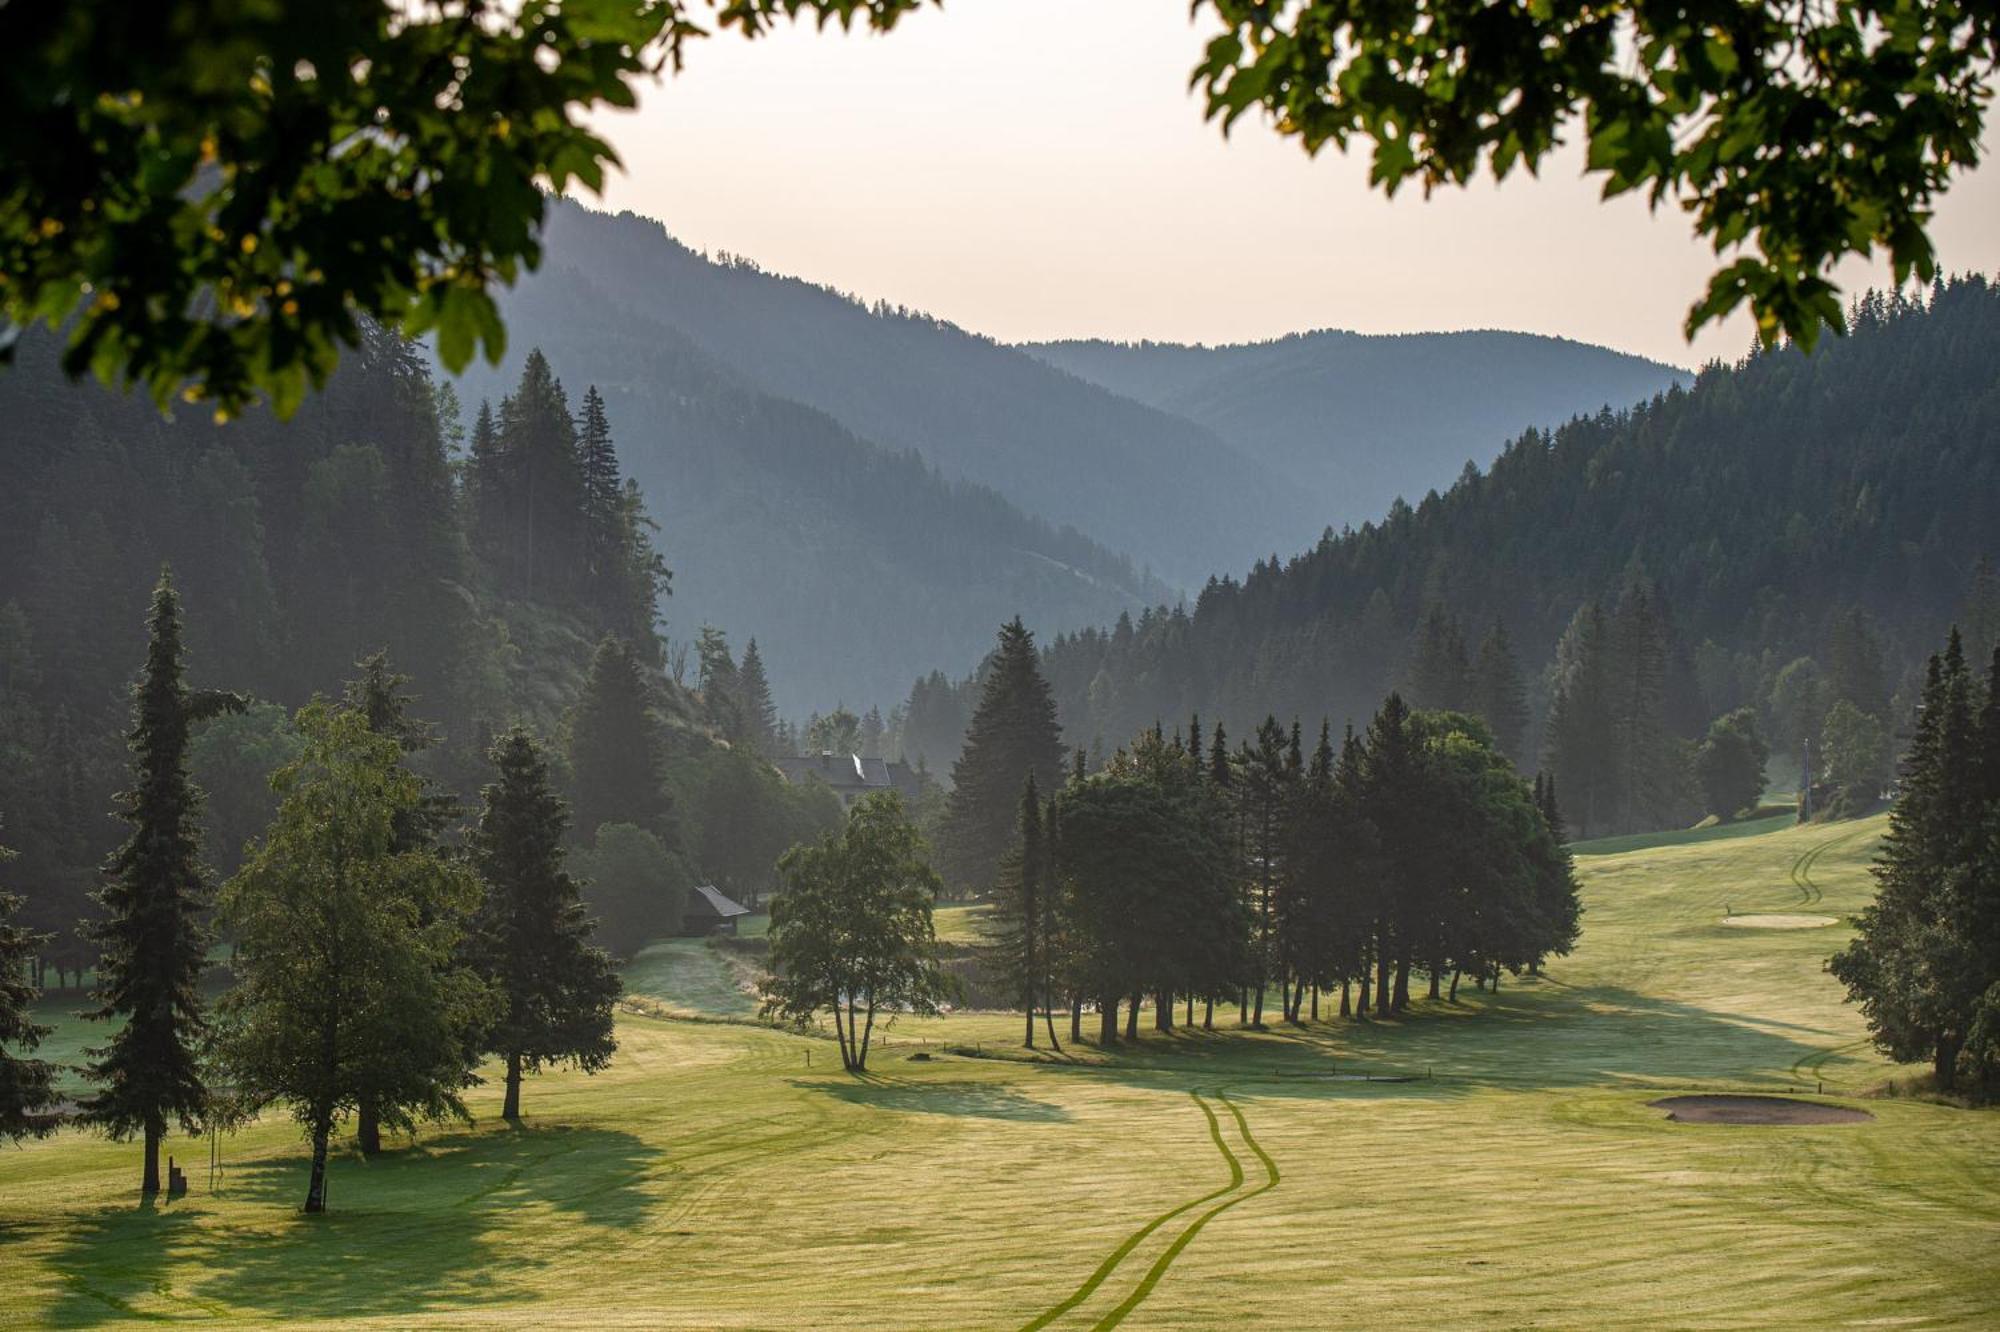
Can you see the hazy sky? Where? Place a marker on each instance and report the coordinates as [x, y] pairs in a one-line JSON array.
[[1038, 169]]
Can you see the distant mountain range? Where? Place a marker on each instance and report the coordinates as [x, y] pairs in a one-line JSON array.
[[869, 491], [1355, 421]]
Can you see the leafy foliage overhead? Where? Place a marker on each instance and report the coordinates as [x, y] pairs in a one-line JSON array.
[[212, 191], [1794, 134]]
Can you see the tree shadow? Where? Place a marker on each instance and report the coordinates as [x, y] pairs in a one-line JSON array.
[[115, 1261], [982, 1100], [416, 1230]]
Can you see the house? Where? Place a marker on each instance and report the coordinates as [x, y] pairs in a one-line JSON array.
[[853, 777], [709, 912]]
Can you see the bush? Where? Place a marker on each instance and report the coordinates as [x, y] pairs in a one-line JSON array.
[[636, 888]]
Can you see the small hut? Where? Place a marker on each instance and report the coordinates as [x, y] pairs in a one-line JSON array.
[[709, 912]]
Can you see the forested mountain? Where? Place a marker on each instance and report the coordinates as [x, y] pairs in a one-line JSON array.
[[1355, 420], [1146, 484], [1789, 533], [846, 560]]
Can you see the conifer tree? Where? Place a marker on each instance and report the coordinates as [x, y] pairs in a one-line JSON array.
[[1439, 676], [27, 1086], [614, 746], [532, 937], [153, 934], [603, 502], [1020, 909], [377, 696], [1498, 695], [1013, 734], [760, 713]]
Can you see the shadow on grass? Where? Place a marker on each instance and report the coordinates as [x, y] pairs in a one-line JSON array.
[[1533, 1034], [417, 1230], [982, 1100]]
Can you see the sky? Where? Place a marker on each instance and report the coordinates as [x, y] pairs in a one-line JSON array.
[[1038, 169]]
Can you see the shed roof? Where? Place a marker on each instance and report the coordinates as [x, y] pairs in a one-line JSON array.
[[717, 903]]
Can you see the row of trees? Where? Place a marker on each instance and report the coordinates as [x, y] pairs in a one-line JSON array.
[[1264, 877], [374, 967], [1925, 966]]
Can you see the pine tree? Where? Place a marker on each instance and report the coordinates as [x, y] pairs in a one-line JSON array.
[[760, 713], [716, 678], [603, 505], [1581, 734], [532, 938], [27, 1086], [378, 696], [153, 934], [1013, 734], [1439, 675], [542, 503], [1498, 695], [614, 746], [1020, 911]]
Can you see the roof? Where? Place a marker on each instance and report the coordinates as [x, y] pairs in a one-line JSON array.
[[837, 770], [706, 895]]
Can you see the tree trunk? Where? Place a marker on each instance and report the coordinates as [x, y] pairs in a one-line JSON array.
[[511, 1107], [1132, 1018], [1163, 1011], [840, 1034], [1208, 1014], [1076, 1019], [1049, 1018], [1190, 1012], [149, 1181], [316, 1188], [1029, 1039], [1434, 983], [1496, 978], [1454, 985], [1346, 1005], [368, 1126], [1315, 1016], [1242, 1005], [1402, 1000], [1107, 1018], [1383, 966], [1258, 1021], [1944, 1065], [867, 1034]]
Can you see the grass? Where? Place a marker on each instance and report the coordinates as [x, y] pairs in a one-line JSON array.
[[711, 1178]]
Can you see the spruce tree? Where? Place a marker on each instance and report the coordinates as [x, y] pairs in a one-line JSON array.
[[614, 746], [760, 713], [153, 934], [1020, 910], [378, 696], [1439, 675], [1498, 695], [532, 938], [27, 1086], [1013, 735], [603, 506]]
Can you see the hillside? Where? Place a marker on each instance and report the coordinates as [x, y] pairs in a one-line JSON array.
[[847, 561], [1521, 1174], [1147, 484], [1763, 503], [1353, 420]]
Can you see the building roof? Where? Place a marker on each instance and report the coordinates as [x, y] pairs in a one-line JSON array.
[[723, 907]]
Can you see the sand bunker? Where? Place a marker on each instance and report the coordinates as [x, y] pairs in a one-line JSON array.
[[1756, 1110], [1779, 922]]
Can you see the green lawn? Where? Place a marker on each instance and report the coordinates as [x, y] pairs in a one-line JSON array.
[[711, 1178]]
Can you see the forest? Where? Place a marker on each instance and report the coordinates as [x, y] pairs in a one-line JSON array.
[[493, 556], [1577, 594]]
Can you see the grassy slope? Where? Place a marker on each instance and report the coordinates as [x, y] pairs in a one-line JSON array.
[[711, 1179]]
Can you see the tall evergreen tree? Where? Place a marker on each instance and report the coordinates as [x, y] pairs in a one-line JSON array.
[[377, 695], [760, 712], [614, 746], [603, 503], [1581, 734], [1013, 734], [1439, 674], [153, 934], [532, 938], [1021, 910], [1498, 695], [27, 1086]]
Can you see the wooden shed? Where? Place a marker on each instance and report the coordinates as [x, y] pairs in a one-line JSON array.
[[709, 912]]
